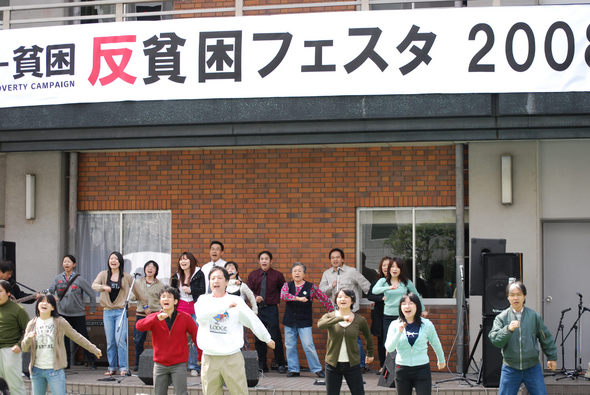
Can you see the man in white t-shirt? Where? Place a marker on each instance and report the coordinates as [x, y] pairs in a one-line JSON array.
[[215, 252], [221, 318]]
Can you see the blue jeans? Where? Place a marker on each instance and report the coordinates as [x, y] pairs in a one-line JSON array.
[[193, 356], [362, 351], [139, 340], [533, 379], [306, 337], [116, 342], [55, 378]]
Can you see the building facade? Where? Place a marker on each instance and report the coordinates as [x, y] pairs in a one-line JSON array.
[[373, 174]]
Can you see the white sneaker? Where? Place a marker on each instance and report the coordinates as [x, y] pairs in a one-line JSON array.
[[195, 373]]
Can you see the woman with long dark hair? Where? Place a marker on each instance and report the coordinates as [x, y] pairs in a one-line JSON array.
[[190, 281], [393, 286], [377, 312], [409, 335], [44, 337], [113, 285]]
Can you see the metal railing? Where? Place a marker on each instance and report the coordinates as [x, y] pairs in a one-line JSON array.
[[15, 16]]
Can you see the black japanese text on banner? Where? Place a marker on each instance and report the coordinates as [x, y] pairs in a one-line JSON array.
[[454, 50]]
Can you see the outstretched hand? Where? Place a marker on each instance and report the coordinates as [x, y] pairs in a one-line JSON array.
[[441, 365], [552, 365], [271, 344]]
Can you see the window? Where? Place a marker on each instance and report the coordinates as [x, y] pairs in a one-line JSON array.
[[139, 235], [424, 238]]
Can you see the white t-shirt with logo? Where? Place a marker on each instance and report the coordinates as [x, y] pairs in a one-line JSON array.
[[44, 339]]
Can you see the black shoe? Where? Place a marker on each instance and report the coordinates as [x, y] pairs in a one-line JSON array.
[[263, 368], [320, 374], [282, 369], [293, 374]]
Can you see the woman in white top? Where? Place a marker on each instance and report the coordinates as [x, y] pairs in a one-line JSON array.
[[44, 337], [190, 281], [237, 287]]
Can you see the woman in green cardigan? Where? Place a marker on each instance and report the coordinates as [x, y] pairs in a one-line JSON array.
[[342, 351]]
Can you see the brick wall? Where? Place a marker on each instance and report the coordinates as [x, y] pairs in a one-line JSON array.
[[205, 4], [296, 202]]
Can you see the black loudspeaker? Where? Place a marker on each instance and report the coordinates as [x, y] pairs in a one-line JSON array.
[[145, 370], [498, 269], [492, 356], [251, 363], [478, 247], [96, 335], [8, 252], [387, 379]]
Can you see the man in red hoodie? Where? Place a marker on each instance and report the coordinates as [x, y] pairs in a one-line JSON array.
[[169, 329]]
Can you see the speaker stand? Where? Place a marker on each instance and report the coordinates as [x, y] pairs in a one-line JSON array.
[[463, 377]]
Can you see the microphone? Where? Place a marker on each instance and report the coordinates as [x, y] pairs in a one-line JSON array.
[[461, 268], [138, 272], [566, 310], [174, 282]]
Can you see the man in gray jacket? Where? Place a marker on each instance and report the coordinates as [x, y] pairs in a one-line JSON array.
[[516, 331], [69, 288]]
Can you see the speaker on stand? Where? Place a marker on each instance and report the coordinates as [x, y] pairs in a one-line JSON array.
[[492, 356], [478, 248], [498, 270]]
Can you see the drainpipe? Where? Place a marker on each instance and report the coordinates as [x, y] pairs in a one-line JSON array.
[[460, 257], [73, 203]]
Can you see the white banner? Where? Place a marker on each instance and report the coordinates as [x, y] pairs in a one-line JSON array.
[[452, 50]]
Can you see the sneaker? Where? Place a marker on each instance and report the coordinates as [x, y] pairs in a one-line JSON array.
[[194, 373], [282, 369], [320, 374]]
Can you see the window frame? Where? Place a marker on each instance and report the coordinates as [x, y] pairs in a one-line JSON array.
[[413, 210]]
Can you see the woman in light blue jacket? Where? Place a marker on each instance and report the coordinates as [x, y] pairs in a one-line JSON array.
[[409, 335]]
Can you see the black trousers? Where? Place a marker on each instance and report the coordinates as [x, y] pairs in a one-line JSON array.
[[381, 350], [79, 324], [269, 315], [352, 375], [418, 377]]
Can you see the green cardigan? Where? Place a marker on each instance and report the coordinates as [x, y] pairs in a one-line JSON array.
[[13, 321], [336, 333]]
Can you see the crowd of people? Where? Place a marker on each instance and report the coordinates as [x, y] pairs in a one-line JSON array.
[[197, 323]]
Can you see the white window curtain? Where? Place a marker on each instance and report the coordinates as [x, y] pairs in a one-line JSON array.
[[139, 236]]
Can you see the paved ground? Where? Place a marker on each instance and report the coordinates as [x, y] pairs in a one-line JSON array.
[[309, 383]]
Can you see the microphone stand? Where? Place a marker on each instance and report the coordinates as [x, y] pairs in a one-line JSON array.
[[119, 329], [577, 368], [563, 370]]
